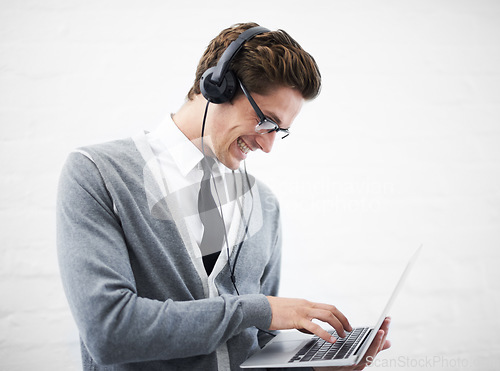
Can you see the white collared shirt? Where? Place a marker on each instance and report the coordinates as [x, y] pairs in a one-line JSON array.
[[179, 160]]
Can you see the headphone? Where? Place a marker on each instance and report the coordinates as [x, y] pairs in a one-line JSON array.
[[218, 84]]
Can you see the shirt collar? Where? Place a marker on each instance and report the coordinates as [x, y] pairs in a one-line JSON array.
[[184, 153]]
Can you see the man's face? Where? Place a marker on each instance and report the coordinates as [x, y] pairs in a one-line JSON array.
[[232, 131]]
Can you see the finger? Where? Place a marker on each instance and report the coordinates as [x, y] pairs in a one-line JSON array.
[[386, 345], [328, 317], [338, 314], [317, 330], [386, 324], [373, 349], [343, 319], [385, 328], [379, 343]]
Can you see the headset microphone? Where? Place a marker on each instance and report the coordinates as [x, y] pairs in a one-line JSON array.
[[219, 84]]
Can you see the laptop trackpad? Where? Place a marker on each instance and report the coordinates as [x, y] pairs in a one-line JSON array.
[[279, 350], [282, 350]]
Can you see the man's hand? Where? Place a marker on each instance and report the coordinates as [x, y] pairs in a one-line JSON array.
[[379, 343], [298, 314]]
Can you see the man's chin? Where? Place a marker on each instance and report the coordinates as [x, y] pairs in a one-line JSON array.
[[232, 160], [233, 165]]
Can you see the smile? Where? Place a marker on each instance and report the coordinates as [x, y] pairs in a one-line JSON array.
[[242, 145]]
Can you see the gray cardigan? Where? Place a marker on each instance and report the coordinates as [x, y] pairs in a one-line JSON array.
[[137, 299]]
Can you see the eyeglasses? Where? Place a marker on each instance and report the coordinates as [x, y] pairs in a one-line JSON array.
[[265, 125]]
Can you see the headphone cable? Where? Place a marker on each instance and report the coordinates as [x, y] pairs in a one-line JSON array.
[[231, 270], [233, 267]]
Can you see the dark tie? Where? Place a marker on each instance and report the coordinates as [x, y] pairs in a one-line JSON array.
[[213, 232]]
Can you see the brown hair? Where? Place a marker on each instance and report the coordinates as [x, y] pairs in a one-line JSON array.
[[267, 61]]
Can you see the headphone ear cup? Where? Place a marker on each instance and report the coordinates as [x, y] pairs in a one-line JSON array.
[[218, 93]]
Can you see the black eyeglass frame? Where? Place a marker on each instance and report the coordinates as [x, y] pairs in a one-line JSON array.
[[262, 118]]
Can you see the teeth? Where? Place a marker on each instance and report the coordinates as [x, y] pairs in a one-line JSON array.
[[244, 148]]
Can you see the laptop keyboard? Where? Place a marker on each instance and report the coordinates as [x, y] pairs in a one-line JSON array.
[[318, 349]]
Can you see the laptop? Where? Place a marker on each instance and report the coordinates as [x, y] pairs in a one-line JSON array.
[[296, 349]]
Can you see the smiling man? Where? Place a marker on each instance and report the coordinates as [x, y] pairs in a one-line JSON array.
[[169, 253], [230, 128]]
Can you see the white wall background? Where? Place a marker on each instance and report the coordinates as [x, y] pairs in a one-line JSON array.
[[401, 148]]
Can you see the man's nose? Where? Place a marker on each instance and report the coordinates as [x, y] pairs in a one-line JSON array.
[[266, 141]]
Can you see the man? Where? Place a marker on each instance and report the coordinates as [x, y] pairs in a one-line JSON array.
[[170, 255]]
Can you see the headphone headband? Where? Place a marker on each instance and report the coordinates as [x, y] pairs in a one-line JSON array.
[[232, 50], [219, 84]]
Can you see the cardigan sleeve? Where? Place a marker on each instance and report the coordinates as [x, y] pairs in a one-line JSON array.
[[115, 323], [270, 280]]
